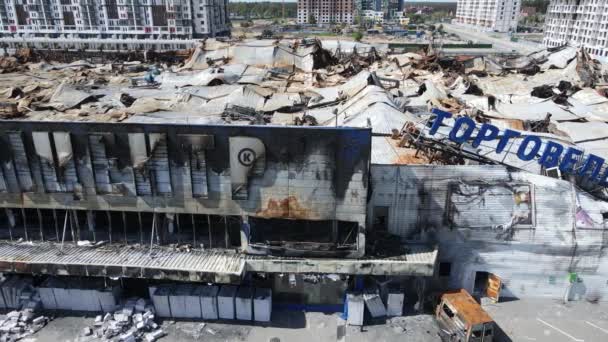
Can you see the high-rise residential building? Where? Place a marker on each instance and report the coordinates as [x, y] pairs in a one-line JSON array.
[[389, 8], [579, 23], [369, 5], [326, 11], [114, 18], [489, 15]]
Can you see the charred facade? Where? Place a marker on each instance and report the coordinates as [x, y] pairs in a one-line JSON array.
[[281, 191]]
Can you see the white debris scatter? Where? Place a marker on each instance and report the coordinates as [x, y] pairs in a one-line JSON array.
[[18, 325], [131, 322]]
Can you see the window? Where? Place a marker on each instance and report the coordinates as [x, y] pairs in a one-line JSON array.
[[487, 332], [445, 268], [447, 311]]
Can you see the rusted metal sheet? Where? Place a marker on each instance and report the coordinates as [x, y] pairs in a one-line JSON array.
[[466, 307], [493, 287], [288, 207]]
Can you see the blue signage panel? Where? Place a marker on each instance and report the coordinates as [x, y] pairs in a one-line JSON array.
[[552, 154]]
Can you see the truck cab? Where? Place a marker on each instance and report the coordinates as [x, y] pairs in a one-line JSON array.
[[462, 319]]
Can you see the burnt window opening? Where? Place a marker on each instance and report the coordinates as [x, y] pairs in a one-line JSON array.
[[298, 233], [380, 218], [445, 269], [485, 205], [481, 282], [605, 216], [120, 227], [447, 311]]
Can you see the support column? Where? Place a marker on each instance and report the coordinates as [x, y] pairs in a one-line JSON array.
[[245, 233]]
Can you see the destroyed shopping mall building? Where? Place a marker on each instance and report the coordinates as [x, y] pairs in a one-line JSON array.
[[310, 168]]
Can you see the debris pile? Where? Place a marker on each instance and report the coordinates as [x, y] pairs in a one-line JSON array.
[[24, 320], [312, 82], [17, 325], [134, 321]]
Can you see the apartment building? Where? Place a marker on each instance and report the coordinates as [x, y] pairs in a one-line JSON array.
[[135, 19], [326, 11], [390, 9], [580, 23], [489, 15]]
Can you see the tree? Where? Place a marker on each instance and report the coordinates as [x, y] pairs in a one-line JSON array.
[[357, 36], [416, 19], [312, 19]]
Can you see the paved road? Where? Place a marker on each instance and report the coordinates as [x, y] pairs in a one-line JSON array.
[[547, 320], [502, 44]]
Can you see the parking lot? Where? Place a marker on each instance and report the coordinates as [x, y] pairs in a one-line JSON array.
[[548, 320]]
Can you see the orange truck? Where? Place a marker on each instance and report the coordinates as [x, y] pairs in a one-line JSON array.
[[462, 319]]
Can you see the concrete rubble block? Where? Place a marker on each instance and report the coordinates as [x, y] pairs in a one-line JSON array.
[[154, 335], [150, 307], [129, 336], [140, 325], [140, 305], [262, 305], [160, 298], [138, 317], [208, 300], [243, 303], [14, 315], [356, 309], [225, 301], [39, 320], [374, 305], [87, 331], [26, 315], [121, 317], [177, 300], [128, 311], [394, 303]]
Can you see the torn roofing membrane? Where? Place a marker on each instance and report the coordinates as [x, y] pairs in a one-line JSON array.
[[329, 83]]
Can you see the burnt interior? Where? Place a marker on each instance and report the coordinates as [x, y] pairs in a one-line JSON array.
[[283, 235], [121, 227]]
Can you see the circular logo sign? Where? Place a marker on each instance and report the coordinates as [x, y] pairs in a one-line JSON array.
[[246, 156]]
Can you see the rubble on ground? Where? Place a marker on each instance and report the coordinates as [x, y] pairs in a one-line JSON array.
[[18, 325], [131, 322], [24, 318]]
